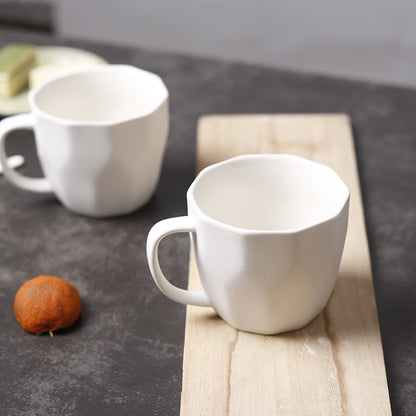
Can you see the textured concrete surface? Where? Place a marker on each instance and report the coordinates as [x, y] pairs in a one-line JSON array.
[[124, 356], [33, 15]]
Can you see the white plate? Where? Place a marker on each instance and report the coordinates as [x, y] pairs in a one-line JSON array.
[[49, 60]]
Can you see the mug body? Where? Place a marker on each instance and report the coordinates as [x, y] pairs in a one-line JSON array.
[[101, 135], [270, 231]]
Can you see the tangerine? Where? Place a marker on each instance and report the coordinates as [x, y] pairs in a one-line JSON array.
[[47, 303]]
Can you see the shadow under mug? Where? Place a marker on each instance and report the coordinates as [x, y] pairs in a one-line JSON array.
[[100, 135], [268, 233]]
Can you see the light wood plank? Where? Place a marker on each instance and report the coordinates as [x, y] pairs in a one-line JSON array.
[[333, 366]]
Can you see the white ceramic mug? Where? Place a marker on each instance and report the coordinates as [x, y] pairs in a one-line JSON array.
[[100, 135], [268, 233]]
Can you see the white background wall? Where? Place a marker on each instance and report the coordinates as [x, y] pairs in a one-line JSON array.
[[365, 39]]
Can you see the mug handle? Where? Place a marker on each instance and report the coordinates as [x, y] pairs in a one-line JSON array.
[[158, 232], [9, 124]]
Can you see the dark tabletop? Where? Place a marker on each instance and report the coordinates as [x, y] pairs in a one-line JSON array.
[[124, 355]]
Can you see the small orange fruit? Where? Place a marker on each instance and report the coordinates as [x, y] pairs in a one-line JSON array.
[[46, 303]]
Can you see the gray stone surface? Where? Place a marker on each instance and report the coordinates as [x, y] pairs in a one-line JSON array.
[[33, 15], [124, 356]]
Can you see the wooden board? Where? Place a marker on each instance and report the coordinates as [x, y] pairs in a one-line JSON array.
[[333, 366]]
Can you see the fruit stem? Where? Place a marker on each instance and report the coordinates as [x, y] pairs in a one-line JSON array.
[[51, 334]]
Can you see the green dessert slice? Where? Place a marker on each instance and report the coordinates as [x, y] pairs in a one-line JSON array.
[[16, 61]]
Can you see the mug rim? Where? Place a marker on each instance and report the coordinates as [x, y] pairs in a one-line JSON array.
[[249, 231], [94, 68]]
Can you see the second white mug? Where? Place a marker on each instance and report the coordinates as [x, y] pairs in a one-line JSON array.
[[100, 135]]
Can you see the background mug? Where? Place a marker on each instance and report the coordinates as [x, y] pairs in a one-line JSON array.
[[100, 135], [268, 233]]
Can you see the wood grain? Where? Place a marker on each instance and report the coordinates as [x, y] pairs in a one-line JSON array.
[[333, 366]]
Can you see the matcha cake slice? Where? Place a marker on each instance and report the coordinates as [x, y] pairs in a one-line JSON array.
[[16, 61]]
